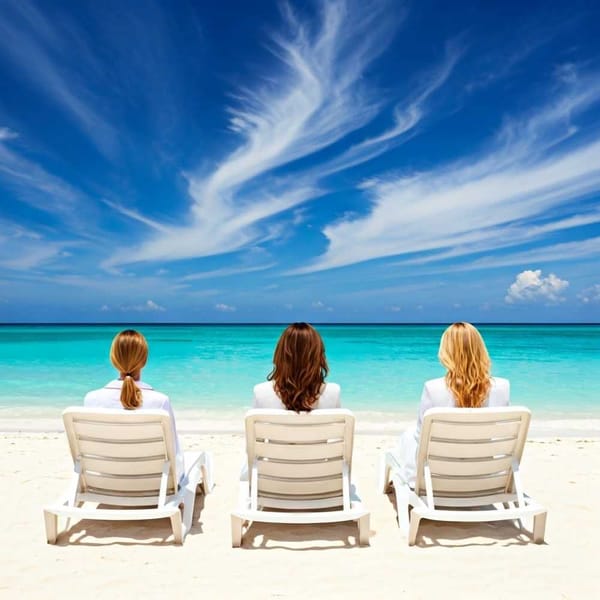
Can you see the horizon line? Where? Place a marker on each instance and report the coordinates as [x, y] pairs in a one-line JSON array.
[[271, 323]]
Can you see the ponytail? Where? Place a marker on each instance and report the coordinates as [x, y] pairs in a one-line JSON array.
[[131, 395], [128, 354]]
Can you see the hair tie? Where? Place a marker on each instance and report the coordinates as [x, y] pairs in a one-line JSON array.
[[127, 374]]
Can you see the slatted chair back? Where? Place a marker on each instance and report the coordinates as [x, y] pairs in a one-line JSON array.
[[299, 461], [122, 455], [470, 452]]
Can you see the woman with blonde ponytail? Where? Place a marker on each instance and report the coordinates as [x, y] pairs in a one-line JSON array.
[[467, 384], [128, 355]]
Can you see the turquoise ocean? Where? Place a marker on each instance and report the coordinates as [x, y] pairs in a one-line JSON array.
[[553, 369]]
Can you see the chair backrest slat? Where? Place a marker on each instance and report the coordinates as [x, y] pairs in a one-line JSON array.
[[121, 453], [478, 466], [299, 457], [475, 449], [470, 451]]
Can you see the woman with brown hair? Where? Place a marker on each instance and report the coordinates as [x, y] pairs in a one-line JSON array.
[[128, 354], [297, 381], [467, 384]]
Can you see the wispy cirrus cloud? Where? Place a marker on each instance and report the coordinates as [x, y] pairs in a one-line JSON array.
[[470, 205], [23, 249], [316, 98], [41, 51], [61, 205], [7, 134], [226, 272], [407, 115]]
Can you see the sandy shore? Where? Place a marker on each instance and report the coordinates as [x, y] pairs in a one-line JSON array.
[[118, 560]]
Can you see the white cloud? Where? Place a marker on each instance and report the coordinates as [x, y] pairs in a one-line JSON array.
[[104, 308], [395, 308], [530, 286], [221, 307], [7, 134], [479, 203], [316, 98], [319, 305], [148, 306], [590, 295]]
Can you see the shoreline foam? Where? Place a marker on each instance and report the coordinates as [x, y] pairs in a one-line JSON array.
[[208, 422]]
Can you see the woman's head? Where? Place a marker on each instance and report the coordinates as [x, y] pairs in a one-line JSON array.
[[300, 367], [463, 353], [128, 354]]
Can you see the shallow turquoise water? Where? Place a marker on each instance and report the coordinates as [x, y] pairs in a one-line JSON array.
[[380, 367]]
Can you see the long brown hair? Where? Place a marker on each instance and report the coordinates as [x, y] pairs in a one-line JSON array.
[[300, 367], [463, 353], [128, 354]]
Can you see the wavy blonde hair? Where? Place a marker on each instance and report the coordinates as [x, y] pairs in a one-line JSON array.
[[463, 353], [300, 367], [128, 354]]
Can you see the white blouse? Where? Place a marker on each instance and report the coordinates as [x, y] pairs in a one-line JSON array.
[[266, 397]]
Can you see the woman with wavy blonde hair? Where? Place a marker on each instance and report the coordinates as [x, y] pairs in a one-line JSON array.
[[297, 381], [129, 354], [463, 353], [467, 384]]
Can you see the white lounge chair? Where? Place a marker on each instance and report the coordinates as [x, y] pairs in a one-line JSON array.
[[127, 459], [468, 458], [299, 468]]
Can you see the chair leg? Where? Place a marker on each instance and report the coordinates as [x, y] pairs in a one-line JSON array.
[[177, 527], [236, 531], [401, 494], [384, 474], [539, 528], [207, 483], [189, 498], [415, 519], [364, 529], [51, 521]]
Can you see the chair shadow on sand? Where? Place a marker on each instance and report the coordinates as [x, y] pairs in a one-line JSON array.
[[301, 538], [449, 534], [151, 532]]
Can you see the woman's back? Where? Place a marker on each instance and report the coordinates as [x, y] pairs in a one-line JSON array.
[[437, 395], [266, 397]]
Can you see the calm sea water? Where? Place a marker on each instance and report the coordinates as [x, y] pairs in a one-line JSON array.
[[553, 369]]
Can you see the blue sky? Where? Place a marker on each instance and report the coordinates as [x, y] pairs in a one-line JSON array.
[[322, 161]]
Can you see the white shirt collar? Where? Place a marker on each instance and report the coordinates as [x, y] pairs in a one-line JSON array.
[[117, 384]]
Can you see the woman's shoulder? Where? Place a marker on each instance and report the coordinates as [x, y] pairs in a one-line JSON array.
[[332, 388], [153, 398], [264, 388], [500, 383], [499, 392], [436, 385], [98, 397], [93, 396]]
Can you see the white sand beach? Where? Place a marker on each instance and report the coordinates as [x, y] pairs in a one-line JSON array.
[[119, 560]]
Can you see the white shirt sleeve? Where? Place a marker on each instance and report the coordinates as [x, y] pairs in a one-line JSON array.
[[426, 403]]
